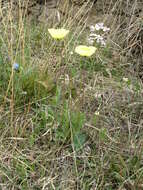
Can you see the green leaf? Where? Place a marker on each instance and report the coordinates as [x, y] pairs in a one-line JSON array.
[[79, 140], [103, 134]]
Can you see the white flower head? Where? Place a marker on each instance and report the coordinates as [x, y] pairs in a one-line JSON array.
[[106, 29], [125, 79], [103, 43], [99, 38], [92, 28], [93, 35], [99, 26], [97, 113], [90, 41]]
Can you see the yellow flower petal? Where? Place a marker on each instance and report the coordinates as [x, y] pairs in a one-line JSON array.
[[85, 50], [58, 33]]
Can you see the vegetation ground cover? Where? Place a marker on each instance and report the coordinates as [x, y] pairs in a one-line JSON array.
[[67, 121]]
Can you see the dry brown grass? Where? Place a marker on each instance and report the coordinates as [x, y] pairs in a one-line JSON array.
[[33, 152]]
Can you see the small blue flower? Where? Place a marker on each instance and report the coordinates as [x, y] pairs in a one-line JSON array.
[[16, 66]]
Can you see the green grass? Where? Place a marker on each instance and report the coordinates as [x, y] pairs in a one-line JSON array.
[[67, 122]]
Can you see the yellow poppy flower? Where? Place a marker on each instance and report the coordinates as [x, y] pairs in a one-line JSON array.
[[58, 33], [85, 50]]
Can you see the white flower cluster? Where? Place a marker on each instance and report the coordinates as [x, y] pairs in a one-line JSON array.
[[99, 39], [93, 36], [100, 26]]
